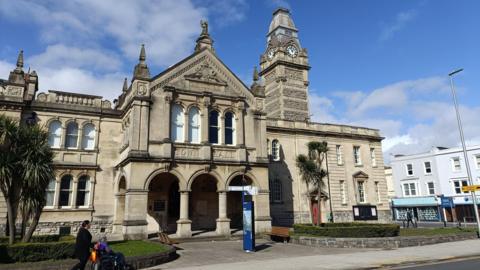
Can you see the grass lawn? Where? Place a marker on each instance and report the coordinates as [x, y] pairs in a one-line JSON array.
[[433, 231], [137, 248]]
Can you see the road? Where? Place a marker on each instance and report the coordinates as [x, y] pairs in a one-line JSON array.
[[461, 264]]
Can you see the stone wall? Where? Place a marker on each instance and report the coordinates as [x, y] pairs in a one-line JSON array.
[[98, 228], [380, 242]]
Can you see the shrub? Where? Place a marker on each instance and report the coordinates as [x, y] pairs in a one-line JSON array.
[[33, 252], [353, 230], [43, 238]]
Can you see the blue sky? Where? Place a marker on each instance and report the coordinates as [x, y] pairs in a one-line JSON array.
[[381, 64]]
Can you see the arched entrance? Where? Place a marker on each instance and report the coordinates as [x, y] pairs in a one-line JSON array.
[[163, 205], [234, 201], [203, 206], [120, 206]]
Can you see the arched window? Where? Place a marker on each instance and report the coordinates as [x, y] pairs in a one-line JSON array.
[[276, 190], [65, 190], [194, 125], [88, 139], [72, 135], [54, 134], [229, 128], [176, 123], [275, 150], [83, 191], [213, 127], [50, 194]]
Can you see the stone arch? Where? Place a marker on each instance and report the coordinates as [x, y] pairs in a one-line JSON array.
[[213, 173], [181, 179], [119, 214], [163, 202], [237, 173], [192, 105], [203, 190]]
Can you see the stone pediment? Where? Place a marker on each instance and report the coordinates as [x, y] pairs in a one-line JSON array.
[[206, 74], [360, 174], [202, 72]]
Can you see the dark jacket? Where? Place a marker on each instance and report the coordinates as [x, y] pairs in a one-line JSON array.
[[83, 244]]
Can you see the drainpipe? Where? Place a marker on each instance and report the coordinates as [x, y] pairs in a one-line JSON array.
[[329, 191]]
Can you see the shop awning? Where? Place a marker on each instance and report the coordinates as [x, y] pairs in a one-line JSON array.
[[415, 201]]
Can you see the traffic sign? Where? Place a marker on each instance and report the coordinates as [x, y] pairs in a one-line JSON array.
[[471, 188]]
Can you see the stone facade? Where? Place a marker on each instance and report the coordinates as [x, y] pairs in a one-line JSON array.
[[166, 153]]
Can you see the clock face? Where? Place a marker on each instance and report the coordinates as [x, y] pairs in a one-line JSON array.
[[292, 50], [271, 53]]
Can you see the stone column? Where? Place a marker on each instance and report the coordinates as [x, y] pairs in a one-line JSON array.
[[184, 224], [204, 120], [73, 202], [165, 116], [223, 222], [56, 195], [239, 128], [135, 217], [119, 213]]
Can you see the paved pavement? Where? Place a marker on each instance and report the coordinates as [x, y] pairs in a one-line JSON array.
[[229, 255], [463, 264]]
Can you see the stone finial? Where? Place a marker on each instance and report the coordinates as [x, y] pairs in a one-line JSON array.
[[257, 89], [255, 74], [204, 40], [204, 25], [20, 60], [141, 70], [17, 76], [125, 85], [143, 55]]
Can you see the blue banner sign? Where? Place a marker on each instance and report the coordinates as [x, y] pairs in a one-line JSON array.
[[248, 227], [447, 202]]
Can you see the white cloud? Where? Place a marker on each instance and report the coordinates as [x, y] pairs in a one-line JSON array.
[[168, 28], [394, 96], [400, 21], [225, 12], [5, 69], [61, 56], [413, 115], [89, 45], [321, 108]]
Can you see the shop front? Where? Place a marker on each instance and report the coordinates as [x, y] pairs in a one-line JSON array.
[[422, 208]]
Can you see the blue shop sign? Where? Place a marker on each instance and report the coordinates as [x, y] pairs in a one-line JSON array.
[[447, 202]]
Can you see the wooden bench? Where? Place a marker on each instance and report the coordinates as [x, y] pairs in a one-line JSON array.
[[280, 232], [163, 238]]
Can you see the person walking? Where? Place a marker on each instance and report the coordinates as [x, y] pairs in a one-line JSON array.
[[82, 245], [409, 219]]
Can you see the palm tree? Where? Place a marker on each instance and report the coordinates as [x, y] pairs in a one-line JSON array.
[[37, 172], [311, 170], [10, 187], [26, 166]]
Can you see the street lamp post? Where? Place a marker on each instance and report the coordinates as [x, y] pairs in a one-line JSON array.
[[465, 156]]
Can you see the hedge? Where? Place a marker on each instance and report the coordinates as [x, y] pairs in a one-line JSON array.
[[43, 238], [349, 230], [33, 252]]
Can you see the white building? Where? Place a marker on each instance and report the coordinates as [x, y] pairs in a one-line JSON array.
[[421, 179]]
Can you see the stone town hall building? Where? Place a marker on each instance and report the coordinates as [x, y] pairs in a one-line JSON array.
[[164, 154]]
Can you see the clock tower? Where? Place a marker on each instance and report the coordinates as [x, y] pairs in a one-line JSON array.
[[284, 68]]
